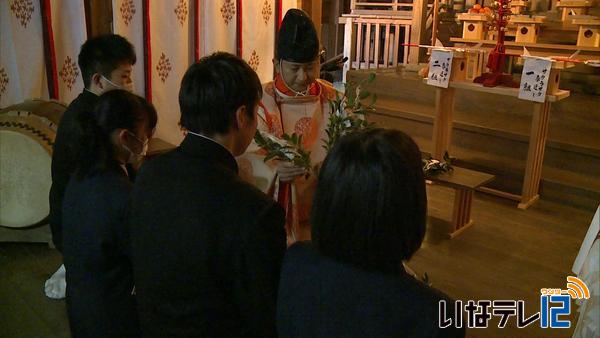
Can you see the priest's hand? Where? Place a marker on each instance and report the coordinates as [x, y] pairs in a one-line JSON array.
[[287, 171]]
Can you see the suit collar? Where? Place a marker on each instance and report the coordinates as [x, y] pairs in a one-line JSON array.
[[204, 147]]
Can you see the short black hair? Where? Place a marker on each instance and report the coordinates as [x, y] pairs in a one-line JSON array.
[[115, 109], [370, 205], [103, 54], [213, 89]]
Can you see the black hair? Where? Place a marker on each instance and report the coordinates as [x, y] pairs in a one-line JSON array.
[[103, 54], [213, 89], [370, 205], [115, 109]]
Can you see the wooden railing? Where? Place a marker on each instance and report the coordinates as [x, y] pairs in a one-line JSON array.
[[363, 7], [375, 41]]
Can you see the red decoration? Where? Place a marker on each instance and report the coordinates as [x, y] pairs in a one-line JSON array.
[[69, 72], [22, 9], [266, 11], [127, 10], [164, 67], [227, 11], [254, 61], [498, 55], [3, 81], [181, 11], [303, 125]]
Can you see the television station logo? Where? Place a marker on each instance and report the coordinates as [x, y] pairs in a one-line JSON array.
[[555, 306]]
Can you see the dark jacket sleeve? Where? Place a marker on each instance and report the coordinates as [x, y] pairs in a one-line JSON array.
[[257, 271], [61, 167], [121, 228]]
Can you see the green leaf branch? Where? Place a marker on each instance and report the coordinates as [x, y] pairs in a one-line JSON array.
[[349, 111], [288, 149]]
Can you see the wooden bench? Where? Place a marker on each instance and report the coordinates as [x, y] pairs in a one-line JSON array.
[[464, 182]]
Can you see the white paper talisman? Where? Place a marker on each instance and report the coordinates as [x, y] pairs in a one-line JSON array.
[[534, 80], [440, 66]]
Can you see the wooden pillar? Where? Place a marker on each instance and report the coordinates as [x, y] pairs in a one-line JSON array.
[[98, 17], [314, 9], [461, 216], [535, 155], [349, 49], [417, 32], [442, 125]]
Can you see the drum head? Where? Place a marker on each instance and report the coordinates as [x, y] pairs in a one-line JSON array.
[[27, 132], [25, 180]]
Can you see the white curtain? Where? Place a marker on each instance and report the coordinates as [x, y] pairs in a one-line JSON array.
[[172, 52], [128, 22], [22, 67], [69, 32], [217, 26], [258, 36]]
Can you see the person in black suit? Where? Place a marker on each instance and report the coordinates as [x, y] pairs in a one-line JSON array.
[[95, 241], [106, 63], [368, 216], [207, 247]]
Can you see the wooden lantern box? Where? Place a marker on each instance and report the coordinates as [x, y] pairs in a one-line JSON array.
[[518, 7], [579, 7], [476, 60], [459, 66], [474, 25], [589, 32], [528, 28]]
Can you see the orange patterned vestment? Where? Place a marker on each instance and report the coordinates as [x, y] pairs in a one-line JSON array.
[[280, 112]]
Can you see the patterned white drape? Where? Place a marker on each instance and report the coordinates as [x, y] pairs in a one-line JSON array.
[[22, 67], [217, 26], [171, 47], [173, 27], [68, 27], [128, 22], [258, 36]]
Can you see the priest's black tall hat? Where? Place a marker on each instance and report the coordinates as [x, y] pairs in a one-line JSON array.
[[297, 40]]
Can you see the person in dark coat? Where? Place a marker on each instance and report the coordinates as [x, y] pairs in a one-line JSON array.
[[368, 216], [207, 247], [95, 242], [106, 63]]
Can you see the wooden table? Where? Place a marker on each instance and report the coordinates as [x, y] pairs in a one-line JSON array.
[[442, 134], [464, 182]]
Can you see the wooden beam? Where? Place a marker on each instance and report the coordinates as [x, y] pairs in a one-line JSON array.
[[417, 32], [314, 10]]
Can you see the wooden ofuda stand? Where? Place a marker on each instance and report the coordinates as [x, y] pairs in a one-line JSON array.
[[442, 128]]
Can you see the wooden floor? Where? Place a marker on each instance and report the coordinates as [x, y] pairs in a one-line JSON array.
[[508, 254]]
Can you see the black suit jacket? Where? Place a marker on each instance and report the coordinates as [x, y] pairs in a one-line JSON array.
[[64, 158], [207, 247], [96, 256], [321, 297]]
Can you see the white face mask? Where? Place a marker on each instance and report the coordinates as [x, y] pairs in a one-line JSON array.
[[133, 157], [128, 86]]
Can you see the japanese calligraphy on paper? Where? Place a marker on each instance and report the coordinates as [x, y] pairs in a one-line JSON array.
[[439, 68], [534, 80]]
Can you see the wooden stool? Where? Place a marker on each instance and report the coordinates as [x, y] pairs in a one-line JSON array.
[[579, 7], [527, 27], [474, 25], [589, 32], [464, 182]]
